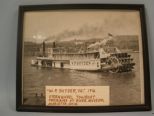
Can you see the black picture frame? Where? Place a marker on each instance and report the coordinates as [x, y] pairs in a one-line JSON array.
[[79, 109]]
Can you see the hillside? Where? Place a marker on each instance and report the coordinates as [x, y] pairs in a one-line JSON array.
[[123, 42]]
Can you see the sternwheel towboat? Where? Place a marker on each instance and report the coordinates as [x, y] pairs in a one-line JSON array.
[[99, 56]]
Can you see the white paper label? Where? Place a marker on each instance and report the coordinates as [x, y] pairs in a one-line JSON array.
[[77, 95]]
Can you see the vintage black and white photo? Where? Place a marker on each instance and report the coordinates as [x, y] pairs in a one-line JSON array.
[[82, 48]]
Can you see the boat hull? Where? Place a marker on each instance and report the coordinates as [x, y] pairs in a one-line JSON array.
[[115, 63]]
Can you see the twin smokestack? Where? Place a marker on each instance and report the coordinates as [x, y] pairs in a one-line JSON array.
[[44, 46]]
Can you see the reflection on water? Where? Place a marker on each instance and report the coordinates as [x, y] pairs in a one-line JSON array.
[[124, 87]]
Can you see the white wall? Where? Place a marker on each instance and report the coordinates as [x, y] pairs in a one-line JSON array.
[[8, 40]]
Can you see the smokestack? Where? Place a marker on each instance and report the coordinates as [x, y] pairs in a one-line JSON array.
[[54, 44], [43, 48]]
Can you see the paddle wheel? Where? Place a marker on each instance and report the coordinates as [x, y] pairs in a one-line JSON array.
[[120, 62]]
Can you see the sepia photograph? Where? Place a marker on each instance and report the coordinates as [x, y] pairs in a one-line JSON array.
[[82, 57]]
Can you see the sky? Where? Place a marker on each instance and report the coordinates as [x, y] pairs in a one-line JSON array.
[[79, 24]]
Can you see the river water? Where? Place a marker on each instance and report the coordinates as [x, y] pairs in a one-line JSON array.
[[124, 87]]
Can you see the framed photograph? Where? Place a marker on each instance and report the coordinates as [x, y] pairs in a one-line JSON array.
[[82, 58]]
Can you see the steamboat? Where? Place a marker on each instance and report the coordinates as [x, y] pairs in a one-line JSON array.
[[98, 56]]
